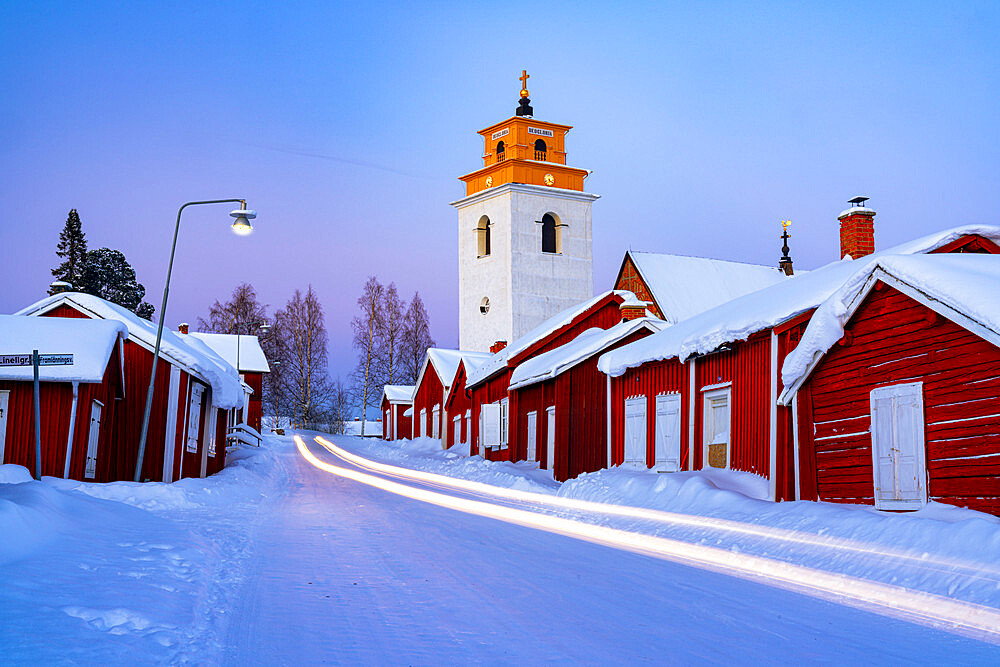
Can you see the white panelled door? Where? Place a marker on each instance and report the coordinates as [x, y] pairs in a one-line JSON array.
[[532, 437], [489, 423], [96, 408], [668, 432], [635, 432], [550, 437], [468, 426], [456, 430], [4, 404], [436, 421], [898, 451]]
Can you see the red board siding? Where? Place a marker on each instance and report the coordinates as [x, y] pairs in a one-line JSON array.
[[459, 401], [649, 380], [894, 339], [429, 393], [254, 410]]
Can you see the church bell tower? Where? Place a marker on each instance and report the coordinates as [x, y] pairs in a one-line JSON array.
[[524, 226]]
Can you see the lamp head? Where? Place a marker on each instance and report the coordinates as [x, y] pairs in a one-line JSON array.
[[265, 327], [241, 225]]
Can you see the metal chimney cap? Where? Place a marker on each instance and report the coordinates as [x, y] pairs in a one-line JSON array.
[[858, 201]]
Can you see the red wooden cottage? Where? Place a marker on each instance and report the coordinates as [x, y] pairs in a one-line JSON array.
[[458, 405], [561, 398], [244, 353], [194, 390], [431, 390], [493, 434], [896, 386], [396, 399], [79, 404], [723, 366]]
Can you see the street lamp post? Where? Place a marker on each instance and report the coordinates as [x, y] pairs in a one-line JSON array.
[[242, 226]]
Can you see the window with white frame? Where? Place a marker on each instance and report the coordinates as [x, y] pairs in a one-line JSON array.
[[504, 423], [716, 417]]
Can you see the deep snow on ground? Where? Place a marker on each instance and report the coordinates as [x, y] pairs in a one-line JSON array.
[[273, 561]]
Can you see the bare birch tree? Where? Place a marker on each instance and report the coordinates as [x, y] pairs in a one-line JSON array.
[[366, 326], [241, 314], [389, 337], [304, 367], [416, 339]]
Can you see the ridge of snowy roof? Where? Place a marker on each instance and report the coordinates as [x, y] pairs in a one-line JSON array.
[[192, 355], [590, 342], [962, 284], [251, 357], [765, 308], [398, 393], [684, 286], [91, 342], [498, 361], [446, 361]]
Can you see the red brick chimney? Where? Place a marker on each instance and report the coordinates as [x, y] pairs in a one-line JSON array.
[[857, 229], [497, 346], [632, 311], [182, 327]]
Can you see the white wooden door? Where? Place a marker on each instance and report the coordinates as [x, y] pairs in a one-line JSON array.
[[468, 426], [716, 419], [436, 422], [668, 432], [532, 441], [194, 418], [4, 404], [387, 425], [898, 451], [170, 436], [92, 439], [456, 430], [635, 432], [550, 437], [422, 423]]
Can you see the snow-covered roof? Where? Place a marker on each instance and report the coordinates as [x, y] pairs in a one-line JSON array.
[[685, 286], [445, 362], [962, 287], [768, 307], [192, 355], [91, 342], [497, 362], [251, 357], [554, 362], [398, 393]]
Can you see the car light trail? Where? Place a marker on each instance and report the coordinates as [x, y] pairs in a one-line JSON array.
[[973, 571], [937, 611]]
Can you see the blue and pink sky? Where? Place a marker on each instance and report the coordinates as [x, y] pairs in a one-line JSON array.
[[346, 126]]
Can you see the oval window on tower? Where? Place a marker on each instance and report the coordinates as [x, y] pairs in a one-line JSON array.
[[484, 305]]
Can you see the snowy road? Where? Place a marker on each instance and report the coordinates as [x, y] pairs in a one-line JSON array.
[[340, 571]]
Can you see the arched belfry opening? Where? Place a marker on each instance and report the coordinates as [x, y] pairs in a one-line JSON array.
[[541, 150], [500, 151], [483, 237], [551, 234]]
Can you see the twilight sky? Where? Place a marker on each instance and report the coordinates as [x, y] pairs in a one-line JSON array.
[[346, 126]]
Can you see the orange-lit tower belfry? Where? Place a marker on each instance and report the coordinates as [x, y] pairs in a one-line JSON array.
[[524, 249]]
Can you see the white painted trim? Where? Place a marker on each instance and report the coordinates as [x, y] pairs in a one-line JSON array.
[[692, 395], [705, 400], [607, 418], [773, 430], [795, 445], [895, 390], [720, 385], [69, 436], [170, 436], [4, 413], [523, 188]]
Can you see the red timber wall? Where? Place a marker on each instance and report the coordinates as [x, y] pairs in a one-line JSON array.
[[893, 339], [580, 399], [459, 400], [629, 279], [428, 394], [405, 423], [748, 367], [603, 315], [254, 406], [788, 336], [56, 401], [650, 380], [123, 449]]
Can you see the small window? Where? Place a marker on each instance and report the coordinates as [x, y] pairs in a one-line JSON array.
[[484, 305], [500, 150], [551, 234], [483, 237], [541, 150]]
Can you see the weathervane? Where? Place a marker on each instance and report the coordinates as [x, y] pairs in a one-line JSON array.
[[785, 263]]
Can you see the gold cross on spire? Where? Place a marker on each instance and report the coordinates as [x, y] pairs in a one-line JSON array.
[[524, 82]]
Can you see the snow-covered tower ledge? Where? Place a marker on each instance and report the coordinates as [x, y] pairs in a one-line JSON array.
[[857, 229]]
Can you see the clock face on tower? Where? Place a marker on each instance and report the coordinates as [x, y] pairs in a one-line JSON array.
[[549, 179], [489, 181]]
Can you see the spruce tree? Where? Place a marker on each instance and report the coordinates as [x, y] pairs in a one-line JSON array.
[[108, 274], [72, 249]]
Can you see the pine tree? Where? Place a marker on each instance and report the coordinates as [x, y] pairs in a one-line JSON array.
[[72, 250], [108, 274]]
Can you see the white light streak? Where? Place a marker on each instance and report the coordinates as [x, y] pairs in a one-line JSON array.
[[934, 610]]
